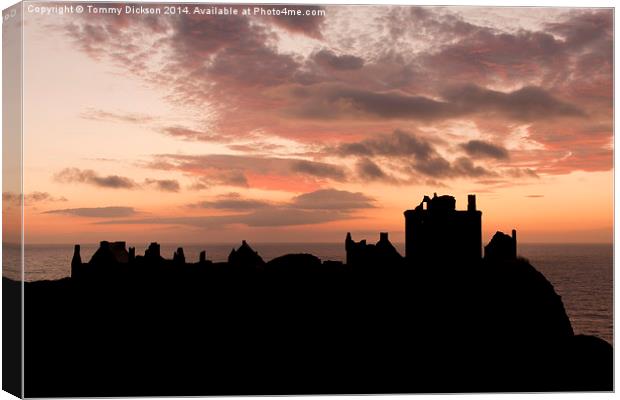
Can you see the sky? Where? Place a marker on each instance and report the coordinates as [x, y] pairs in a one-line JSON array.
[[212, 129]]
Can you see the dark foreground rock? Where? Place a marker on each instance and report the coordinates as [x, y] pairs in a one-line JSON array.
[[321, 328]]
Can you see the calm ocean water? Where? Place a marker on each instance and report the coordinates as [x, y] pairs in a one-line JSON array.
[[581, 273]]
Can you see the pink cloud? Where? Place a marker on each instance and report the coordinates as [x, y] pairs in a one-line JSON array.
[[557, 79]]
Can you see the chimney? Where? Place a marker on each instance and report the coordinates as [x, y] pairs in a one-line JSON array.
[[514, 242], [132, 254], [383, 237], [203, 257], [471, 202]]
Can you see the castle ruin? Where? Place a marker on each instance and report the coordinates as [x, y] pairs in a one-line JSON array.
[[436, 232]]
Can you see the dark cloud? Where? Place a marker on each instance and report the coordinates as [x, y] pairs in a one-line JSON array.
[[191, 134], [585, 27], [421, 22], [525, 104], [332, 199], [271, 217], [318, 169], [88, 176], [207, 170], [413, 67], [535, 196], [215, 62], [255, 65], [463, 166], [196, 37], [126, 40], [439, 167], [220, 52], [199, 184], [408, 149], [233, 169], [388, 105], [521, 173], [399, 143], [316, 207], [329, 59], [30, 198], [96, 212], [308, 23], [36, 197], [209, 178], [571, 56], [256, 147], [436, 167], [199, 163], [232, 178], [486, 54], [369, 170], [11, 198], [71, 175], [232, 201], [323, 199], [101, 115], [366, 169], [480, 148], [164, 185]]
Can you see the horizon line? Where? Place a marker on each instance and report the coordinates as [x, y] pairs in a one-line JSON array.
[[260, 242]]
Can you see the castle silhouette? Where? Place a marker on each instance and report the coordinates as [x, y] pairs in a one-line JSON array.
[[435, 231], [442, 318]]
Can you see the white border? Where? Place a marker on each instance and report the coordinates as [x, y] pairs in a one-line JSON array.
[[508, 3]]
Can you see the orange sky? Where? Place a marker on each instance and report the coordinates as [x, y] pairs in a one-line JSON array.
[[205, 129]]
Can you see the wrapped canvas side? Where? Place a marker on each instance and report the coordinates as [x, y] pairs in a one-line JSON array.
[[12, 203]]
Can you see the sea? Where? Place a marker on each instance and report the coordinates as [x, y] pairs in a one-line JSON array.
[[582, 274]]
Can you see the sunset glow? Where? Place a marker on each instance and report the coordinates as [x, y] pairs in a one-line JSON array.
[[210, 129]]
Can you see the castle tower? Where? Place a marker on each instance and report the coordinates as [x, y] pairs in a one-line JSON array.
[[179, 256], [435, 231], [76, 262], [471, 202], [153, 251], [348, 246], [514, 243]]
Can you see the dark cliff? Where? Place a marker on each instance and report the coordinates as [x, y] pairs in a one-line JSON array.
[[273, 328]]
